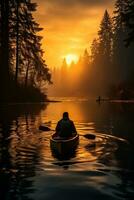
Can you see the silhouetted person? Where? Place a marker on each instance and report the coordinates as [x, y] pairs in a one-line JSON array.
[[99, 98], [65, 127]]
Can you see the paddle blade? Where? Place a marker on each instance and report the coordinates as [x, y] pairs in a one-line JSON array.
[[44, 128], [90, 136]]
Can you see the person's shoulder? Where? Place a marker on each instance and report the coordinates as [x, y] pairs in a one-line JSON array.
[[60, 121]]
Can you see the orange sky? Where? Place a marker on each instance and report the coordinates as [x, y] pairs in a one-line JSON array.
[[69, 26]]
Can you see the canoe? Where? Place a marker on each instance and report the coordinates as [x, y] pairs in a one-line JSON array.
[[63, 146]]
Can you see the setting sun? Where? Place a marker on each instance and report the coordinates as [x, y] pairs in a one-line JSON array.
[[71, 58]]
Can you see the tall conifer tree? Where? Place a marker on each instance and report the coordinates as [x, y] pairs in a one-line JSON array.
[[21, 55]]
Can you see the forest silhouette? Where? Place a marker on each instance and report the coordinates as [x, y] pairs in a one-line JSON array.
[[107, 68], [23, 72]]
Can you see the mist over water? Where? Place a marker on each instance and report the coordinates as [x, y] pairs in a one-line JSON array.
[[100, 169]]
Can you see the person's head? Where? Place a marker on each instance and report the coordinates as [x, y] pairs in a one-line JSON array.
[[65, 115]]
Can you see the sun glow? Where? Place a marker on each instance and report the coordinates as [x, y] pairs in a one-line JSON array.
[[71, 58]]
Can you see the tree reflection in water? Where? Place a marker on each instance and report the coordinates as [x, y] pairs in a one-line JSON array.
[[18, 152], [103, 169]]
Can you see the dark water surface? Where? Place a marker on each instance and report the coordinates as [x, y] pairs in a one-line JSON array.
[[100, 169]]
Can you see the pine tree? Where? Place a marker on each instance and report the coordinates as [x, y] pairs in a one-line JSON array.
[[21, 55], [104, 57], [94, 50], [30, 53], [121, 54], [128, 19], [122, 57], [86, 58], [101, 57], [4, 53], [105, 37]]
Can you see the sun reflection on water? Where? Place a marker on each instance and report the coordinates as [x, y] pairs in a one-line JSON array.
[[26, 156]]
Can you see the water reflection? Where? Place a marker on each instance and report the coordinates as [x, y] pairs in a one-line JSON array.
[[18, 150], [102, 168], [64, 156]]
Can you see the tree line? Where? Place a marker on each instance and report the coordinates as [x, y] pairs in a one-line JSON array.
[[109, 67], [23, 71]]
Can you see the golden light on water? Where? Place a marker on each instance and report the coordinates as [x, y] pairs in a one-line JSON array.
[[71, 58]]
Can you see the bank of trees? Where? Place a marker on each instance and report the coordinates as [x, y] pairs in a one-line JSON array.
[[112, 62], [108, 70], [117, 65], [23, 72]]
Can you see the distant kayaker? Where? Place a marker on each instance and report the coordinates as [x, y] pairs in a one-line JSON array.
[[65, 127], [98, 99]]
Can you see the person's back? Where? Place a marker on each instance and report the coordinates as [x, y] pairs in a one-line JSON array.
[[65, 127]]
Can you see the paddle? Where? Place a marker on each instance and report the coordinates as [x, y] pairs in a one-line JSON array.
[[44, 128], [87, 136]]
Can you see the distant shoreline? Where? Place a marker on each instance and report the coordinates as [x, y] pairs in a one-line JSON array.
[[122, 101], [38, 102], [116, 100]]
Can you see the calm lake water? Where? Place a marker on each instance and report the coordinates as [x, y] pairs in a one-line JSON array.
[[99, 169]]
